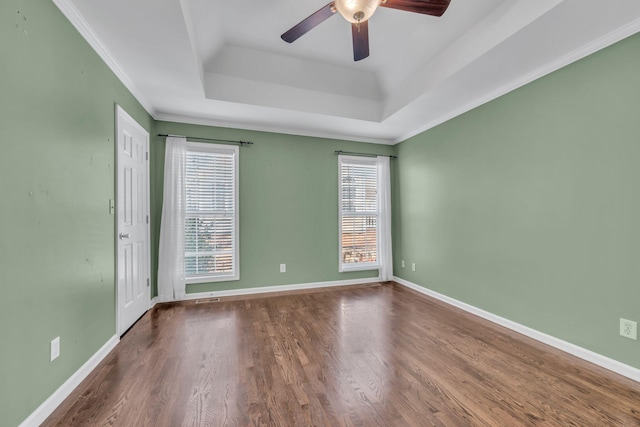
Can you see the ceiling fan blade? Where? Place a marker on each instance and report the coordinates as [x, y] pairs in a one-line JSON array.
[[309, 23], [427, 7], [360, 33]]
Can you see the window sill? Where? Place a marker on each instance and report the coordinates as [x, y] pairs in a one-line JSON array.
[[365, 267], [212, 279]]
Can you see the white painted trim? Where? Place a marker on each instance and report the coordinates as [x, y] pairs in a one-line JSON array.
[[38, 416], [198, 148], [270, 128], [48, 406], [548, 68], [43, 411], [81, 25], [269, 289], [121, 114], [69, 10], [588, 355], [122, 118], [367, 162]]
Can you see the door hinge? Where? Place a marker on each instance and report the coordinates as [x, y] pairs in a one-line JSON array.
[[148, 283], [146, 155], [147, 219]]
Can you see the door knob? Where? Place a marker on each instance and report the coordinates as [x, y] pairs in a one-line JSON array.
[[124, 236]]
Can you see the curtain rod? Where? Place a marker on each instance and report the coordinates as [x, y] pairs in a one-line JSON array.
[[206, 139], [366, 154]]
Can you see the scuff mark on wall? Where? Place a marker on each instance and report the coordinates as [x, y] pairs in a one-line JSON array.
[[41, 191], [21, 23]]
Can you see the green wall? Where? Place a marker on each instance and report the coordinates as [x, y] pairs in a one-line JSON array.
[[288, 205], [529, 207], [525, 207], [57, 264], [57, 174]]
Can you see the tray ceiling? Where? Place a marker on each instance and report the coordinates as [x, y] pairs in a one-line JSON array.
[[223, 62]]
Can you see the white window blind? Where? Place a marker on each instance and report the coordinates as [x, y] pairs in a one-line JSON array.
[[211, 225], [359, 213]]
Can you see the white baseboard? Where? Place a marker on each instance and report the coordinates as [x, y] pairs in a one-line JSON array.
[[588, 355], [269, 289], [38, 416], [153, 302], [43, 411]]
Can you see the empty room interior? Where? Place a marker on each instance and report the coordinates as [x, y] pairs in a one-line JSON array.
[[296, 213]]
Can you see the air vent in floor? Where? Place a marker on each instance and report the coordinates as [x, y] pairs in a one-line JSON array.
[[207, 300]]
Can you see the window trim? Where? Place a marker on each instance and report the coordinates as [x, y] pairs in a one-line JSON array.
[[342, 267], [221, 149]]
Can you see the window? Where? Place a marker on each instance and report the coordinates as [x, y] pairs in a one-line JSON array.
[[359, 213], [211, 213]]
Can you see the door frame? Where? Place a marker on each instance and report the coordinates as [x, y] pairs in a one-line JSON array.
[[121, 116]]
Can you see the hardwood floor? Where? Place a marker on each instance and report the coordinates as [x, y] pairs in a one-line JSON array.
[[379, 355]]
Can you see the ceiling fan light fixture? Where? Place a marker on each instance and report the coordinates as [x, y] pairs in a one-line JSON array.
[[356, 11]]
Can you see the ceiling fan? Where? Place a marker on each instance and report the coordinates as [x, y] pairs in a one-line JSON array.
[[358, 13]]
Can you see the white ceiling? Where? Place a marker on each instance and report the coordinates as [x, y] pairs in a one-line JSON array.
[[223, 63]]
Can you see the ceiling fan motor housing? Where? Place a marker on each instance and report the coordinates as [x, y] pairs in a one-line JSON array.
[[356, 11]]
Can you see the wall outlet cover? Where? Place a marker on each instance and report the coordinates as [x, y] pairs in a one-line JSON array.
[[413, 266], [402, 263], [629, 329], [283, 268], [55, 348]]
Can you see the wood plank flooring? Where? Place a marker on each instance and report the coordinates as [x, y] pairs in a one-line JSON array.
[[379, 355]]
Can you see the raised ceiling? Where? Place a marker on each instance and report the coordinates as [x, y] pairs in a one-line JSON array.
[[223, 63]]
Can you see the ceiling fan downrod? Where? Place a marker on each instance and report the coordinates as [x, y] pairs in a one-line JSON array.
[[356, 11]]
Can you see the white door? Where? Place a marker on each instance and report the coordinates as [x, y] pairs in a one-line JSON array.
[[132, 231]]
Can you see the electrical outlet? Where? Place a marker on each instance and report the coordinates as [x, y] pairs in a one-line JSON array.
[[629, 329], [112, 207], [402, 264], [283, 268], [413, 266], [55, 348]]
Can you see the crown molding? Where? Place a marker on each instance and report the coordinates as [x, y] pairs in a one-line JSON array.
[[548, 68], [81, 25], [165, 117], [73, 15]]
